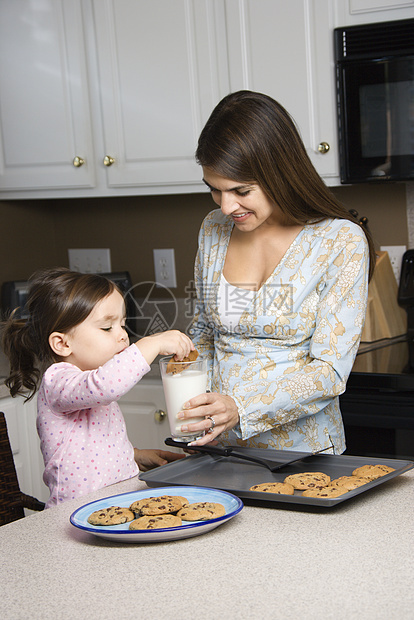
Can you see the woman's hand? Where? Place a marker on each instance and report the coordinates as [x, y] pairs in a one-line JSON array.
[[221, 408], [148, 459]]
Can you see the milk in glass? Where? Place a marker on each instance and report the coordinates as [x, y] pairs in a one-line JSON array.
[[178, 389]]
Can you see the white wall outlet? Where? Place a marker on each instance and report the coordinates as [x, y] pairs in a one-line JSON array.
[[395, 252], [90, 261], [164, 266]]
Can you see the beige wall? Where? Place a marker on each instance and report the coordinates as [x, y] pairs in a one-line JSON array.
[[38, 233]]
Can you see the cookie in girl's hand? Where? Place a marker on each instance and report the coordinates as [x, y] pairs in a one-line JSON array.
[[176, 367]]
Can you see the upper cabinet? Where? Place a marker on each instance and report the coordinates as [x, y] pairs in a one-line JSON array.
[[108, 97], [162, 68], [285, 49], [353, 12], [45, 113]]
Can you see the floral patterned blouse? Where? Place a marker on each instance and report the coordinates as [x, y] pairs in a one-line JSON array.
[[288, 358]]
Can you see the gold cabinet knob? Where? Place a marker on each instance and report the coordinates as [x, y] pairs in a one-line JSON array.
[[159, 416], [323, 147], [78, 162], [108, 160]]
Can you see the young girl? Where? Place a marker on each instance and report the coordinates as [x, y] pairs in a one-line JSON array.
[[76, 336]]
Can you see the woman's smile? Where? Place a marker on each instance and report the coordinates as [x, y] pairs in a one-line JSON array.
[[240, 217]]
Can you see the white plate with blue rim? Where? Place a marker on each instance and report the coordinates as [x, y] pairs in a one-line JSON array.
[[121, 533]]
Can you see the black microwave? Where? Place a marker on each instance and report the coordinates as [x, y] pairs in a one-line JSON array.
[[375, 101]]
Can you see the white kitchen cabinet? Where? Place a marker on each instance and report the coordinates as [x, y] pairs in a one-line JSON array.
[[45, 118], [24, 441], [285, 49], [353, 12], [106, 97], [145, 415], [162, 68]]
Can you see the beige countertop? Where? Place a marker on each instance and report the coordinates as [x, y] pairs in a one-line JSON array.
[[352, 561]]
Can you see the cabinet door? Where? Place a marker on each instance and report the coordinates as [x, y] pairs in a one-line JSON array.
[[44, 102], [162, 69], [24, 441], [285, 49], [353, 12], [145, 416]]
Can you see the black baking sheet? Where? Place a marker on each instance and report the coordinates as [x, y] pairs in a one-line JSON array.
[[237, 476]]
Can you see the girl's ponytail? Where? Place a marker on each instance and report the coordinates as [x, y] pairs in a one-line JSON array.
[[20, 347]]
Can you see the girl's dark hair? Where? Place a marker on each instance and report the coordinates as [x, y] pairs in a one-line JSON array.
[[251, 138], [58, 300]]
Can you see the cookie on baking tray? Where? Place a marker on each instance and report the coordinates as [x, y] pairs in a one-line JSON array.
[[349, 482], [372, 472], [155, 522], [201, 511], [281, 488], [308, 480], [325, 492], [163, 504], [114, 515]]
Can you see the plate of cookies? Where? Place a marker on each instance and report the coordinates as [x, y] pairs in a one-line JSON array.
[[157, 515]]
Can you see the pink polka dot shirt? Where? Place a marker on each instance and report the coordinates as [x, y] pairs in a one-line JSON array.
[[82, 430]]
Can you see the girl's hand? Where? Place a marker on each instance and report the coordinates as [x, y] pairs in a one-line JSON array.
[[171, 342], [220, 407], [148, 459]]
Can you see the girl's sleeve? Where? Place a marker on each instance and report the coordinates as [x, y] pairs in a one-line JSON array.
[[68, 389], [305, 389]]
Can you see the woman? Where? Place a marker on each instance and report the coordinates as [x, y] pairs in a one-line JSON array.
[[281, 278]]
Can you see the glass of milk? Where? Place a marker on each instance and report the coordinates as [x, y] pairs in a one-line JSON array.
[[187, 380]]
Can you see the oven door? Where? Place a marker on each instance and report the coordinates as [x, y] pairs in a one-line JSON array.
[[376, 119]]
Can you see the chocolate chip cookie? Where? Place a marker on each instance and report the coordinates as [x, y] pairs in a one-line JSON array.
[[114, 515], [155, 522], [372, 472], [308, 480], [201, 511], [281, 488]]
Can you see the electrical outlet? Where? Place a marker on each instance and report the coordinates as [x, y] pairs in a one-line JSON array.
[[90, 261], [395, 252], [164, 266]]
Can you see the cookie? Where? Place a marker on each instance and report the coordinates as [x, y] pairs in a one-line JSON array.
[[201, 511], [372, 471], [184, 500], [141, 506], [155, 522], [308, 480], [281, 488], [114, 515], [137, 505], [175, 367], [163, 504], [349, 482], [326, 492]]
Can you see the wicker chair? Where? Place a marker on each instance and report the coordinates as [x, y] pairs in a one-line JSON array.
[[12, 500]]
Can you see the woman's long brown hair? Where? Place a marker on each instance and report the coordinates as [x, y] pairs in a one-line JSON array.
[[251, 138]]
